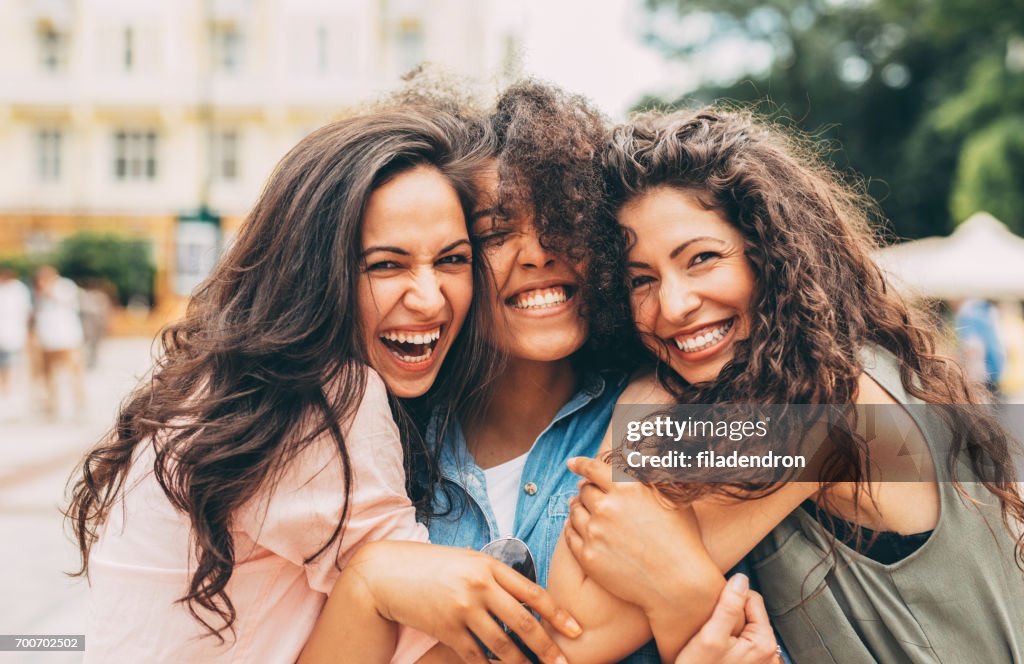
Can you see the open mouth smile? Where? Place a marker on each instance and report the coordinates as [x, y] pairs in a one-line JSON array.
[[411, 346], [541, 298], [704, 338]]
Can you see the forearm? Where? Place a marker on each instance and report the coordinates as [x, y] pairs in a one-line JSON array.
[[675, 619], [612, 627], [350, 629], [680, 602], [730, 528]]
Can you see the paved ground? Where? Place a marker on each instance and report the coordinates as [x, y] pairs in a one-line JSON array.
[[37, 456]]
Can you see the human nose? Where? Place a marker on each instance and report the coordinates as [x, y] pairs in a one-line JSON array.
[[678, 299], [532, 253], [425, 295]]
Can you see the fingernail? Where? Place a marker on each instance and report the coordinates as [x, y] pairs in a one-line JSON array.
[[574, 626], [739, 583], [571, 462], [561, 660]]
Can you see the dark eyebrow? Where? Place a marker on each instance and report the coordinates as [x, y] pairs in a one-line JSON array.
[[642, 266], [391, 250], [451, 246], [682, 247], [485, 212], [403, 252]]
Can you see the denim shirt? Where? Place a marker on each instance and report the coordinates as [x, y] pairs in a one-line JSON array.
[[547, 484]]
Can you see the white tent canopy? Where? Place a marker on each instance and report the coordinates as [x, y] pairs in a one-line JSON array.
[[982, 258]]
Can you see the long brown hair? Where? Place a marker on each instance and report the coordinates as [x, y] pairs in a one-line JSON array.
[[239, 389], [820, 297]]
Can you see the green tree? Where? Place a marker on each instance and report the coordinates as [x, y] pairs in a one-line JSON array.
[[901, 87], [124, 263]]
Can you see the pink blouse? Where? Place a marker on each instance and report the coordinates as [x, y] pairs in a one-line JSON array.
[[141, 563]]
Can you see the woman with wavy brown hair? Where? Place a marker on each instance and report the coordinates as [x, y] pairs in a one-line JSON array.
[[216, 517], [752, 282]]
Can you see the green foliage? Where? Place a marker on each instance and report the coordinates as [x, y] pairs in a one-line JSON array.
[[24, 266], [902, 86], [124, 263], [990, 175]]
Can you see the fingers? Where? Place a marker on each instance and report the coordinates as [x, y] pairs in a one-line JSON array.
[[579, 514], [467, 648], [538, 599], [573, 539], [730, 609], [598, 472], [590, 496], [495, 639], [527, 628], [758, 628]]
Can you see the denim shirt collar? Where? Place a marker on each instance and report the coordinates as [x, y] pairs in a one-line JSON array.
[[455, 456]]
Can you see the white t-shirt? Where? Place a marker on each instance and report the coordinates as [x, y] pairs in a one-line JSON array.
[[503, 492], [58, 326], [15, 308]]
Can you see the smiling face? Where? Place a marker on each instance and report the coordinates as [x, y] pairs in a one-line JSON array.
[[416, 281], [691, 284], [537, 292]]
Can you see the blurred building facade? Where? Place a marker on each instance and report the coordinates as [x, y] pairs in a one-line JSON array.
[[162, 119]]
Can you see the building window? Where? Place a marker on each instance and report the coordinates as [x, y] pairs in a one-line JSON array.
[[128, 56], [49, 146], [53, 49], [224, 151], [227, 48], [135, 155]]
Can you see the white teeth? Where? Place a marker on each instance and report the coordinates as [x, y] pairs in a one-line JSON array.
[[413, 337], [704, 340], [540, 299]]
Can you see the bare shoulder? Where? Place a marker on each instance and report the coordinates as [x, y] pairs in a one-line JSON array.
[[869, 392]]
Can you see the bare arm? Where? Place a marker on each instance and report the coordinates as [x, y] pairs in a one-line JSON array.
[[647, 556], [349, 628], [443, 591], [674, 593]]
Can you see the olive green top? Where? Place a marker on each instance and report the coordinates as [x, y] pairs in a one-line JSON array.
[[958, 598]]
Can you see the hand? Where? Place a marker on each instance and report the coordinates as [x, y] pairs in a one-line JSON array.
[[715, 642], [449, 592], [629, 539]]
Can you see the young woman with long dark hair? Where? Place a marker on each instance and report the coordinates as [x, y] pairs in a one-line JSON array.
[[752, 281], [241, 478]]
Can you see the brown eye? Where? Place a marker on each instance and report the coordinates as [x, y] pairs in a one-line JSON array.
[[455, 259], [382, 265], [704, 257], [640, 281]]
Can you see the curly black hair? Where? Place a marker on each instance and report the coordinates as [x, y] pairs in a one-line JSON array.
[[550, 145]]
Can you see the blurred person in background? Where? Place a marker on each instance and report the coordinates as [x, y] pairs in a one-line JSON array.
[[58, 332], [15, 312], [95, 303], [981, 348], [1011, 328]]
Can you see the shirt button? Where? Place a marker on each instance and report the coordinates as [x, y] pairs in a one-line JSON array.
[[530, 488]]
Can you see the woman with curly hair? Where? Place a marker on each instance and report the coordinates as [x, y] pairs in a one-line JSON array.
[[751, 278], [241, 479]]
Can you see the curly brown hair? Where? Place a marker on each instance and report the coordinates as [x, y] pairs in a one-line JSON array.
[[820, 297], [549, 154]]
